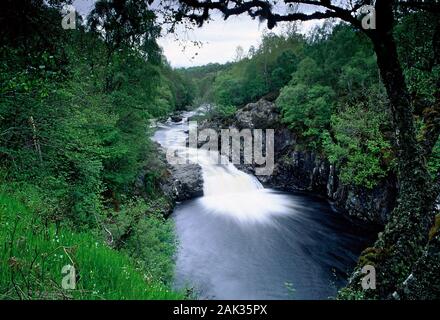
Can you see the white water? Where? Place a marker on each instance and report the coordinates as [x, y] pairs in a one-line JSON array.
[[226, 190]]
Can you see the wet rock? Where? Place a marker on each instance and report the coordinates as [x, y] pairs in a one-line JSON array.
[[184, 182], [178, 182], [260, 115], [176, 118], [284, 140], [373, 205], [307, 171]]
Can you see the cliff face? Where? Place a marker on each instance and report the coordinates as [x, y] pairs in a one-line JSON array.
[[305, 170], [297, 169]]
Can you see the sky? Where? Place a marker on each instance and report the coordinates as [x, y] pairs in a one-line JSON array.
[[219, 39]]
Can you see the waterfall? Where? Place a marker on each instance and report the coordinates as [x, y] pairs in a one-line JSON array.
[[228, 180], [219, 178], [226, 190]]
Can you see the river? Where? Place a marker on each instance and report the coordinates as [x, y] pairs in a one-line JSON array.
[[243, 241]]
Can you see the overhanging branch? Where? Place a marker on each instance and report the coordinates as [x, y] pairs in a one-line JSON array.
[[198, 10]]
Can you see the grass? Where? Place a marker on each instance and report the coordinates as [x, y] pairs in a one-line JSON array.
[[33, 254]]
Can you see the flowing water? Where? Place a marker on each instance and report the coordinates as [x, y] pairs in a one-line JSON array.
[[242, 241]]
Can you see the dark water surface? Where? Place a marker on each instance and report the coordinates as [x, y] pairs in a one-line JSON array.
[[304, 254]]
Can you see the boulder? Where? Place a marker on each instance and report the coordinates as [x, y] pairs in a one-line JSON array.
[[184, 181], [176, 118], [259, 115], [177, 182]]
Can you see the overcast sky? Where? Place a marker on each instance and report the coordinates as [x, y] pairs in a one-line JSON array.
[[219, 38]]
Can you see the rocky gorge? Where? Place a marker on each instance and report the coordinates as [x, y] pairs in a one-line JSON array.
[[296, 169], [299, 169]]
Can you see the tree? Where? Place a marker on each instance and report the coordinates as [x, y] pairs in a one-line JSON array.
[[126, 23], [307, 110], [405, 236]]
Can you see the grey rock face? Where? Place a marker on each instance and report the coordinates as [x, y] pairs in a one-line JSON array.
[[184, 182], [260, 115], [176, 118], [178, 182]]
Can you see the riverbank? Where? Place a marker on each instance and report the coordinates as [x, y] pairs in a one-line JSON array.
[[126, 252], [127, 257]]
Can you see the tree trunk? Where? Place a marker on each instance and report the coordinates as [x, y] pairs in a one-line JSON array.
[[406, 234]]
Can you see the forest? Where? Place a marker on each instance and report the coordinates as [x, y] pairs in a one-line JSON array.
[[76, 108], [74, 117]]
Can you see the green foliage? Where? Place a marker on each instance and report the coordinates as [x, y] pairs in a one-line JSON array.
[[126, 23], [264, 70], [217, 112], [202, 79], [180, 88], [284, 66], [307, 110], [351, 294], [75, 107], [34, 254], [84, 124], [228, 90], [226, 111], [221, 111], [359, 147], [151, 242], [414, 38], [308, 72], [434, 160], [335, 104]]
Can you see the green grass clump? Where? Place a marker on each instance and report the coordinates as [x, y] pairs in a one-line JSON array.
[[33, 254]]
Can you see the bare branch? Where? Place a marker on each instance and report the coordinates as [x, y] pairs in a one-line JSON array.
[[198, 10]]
